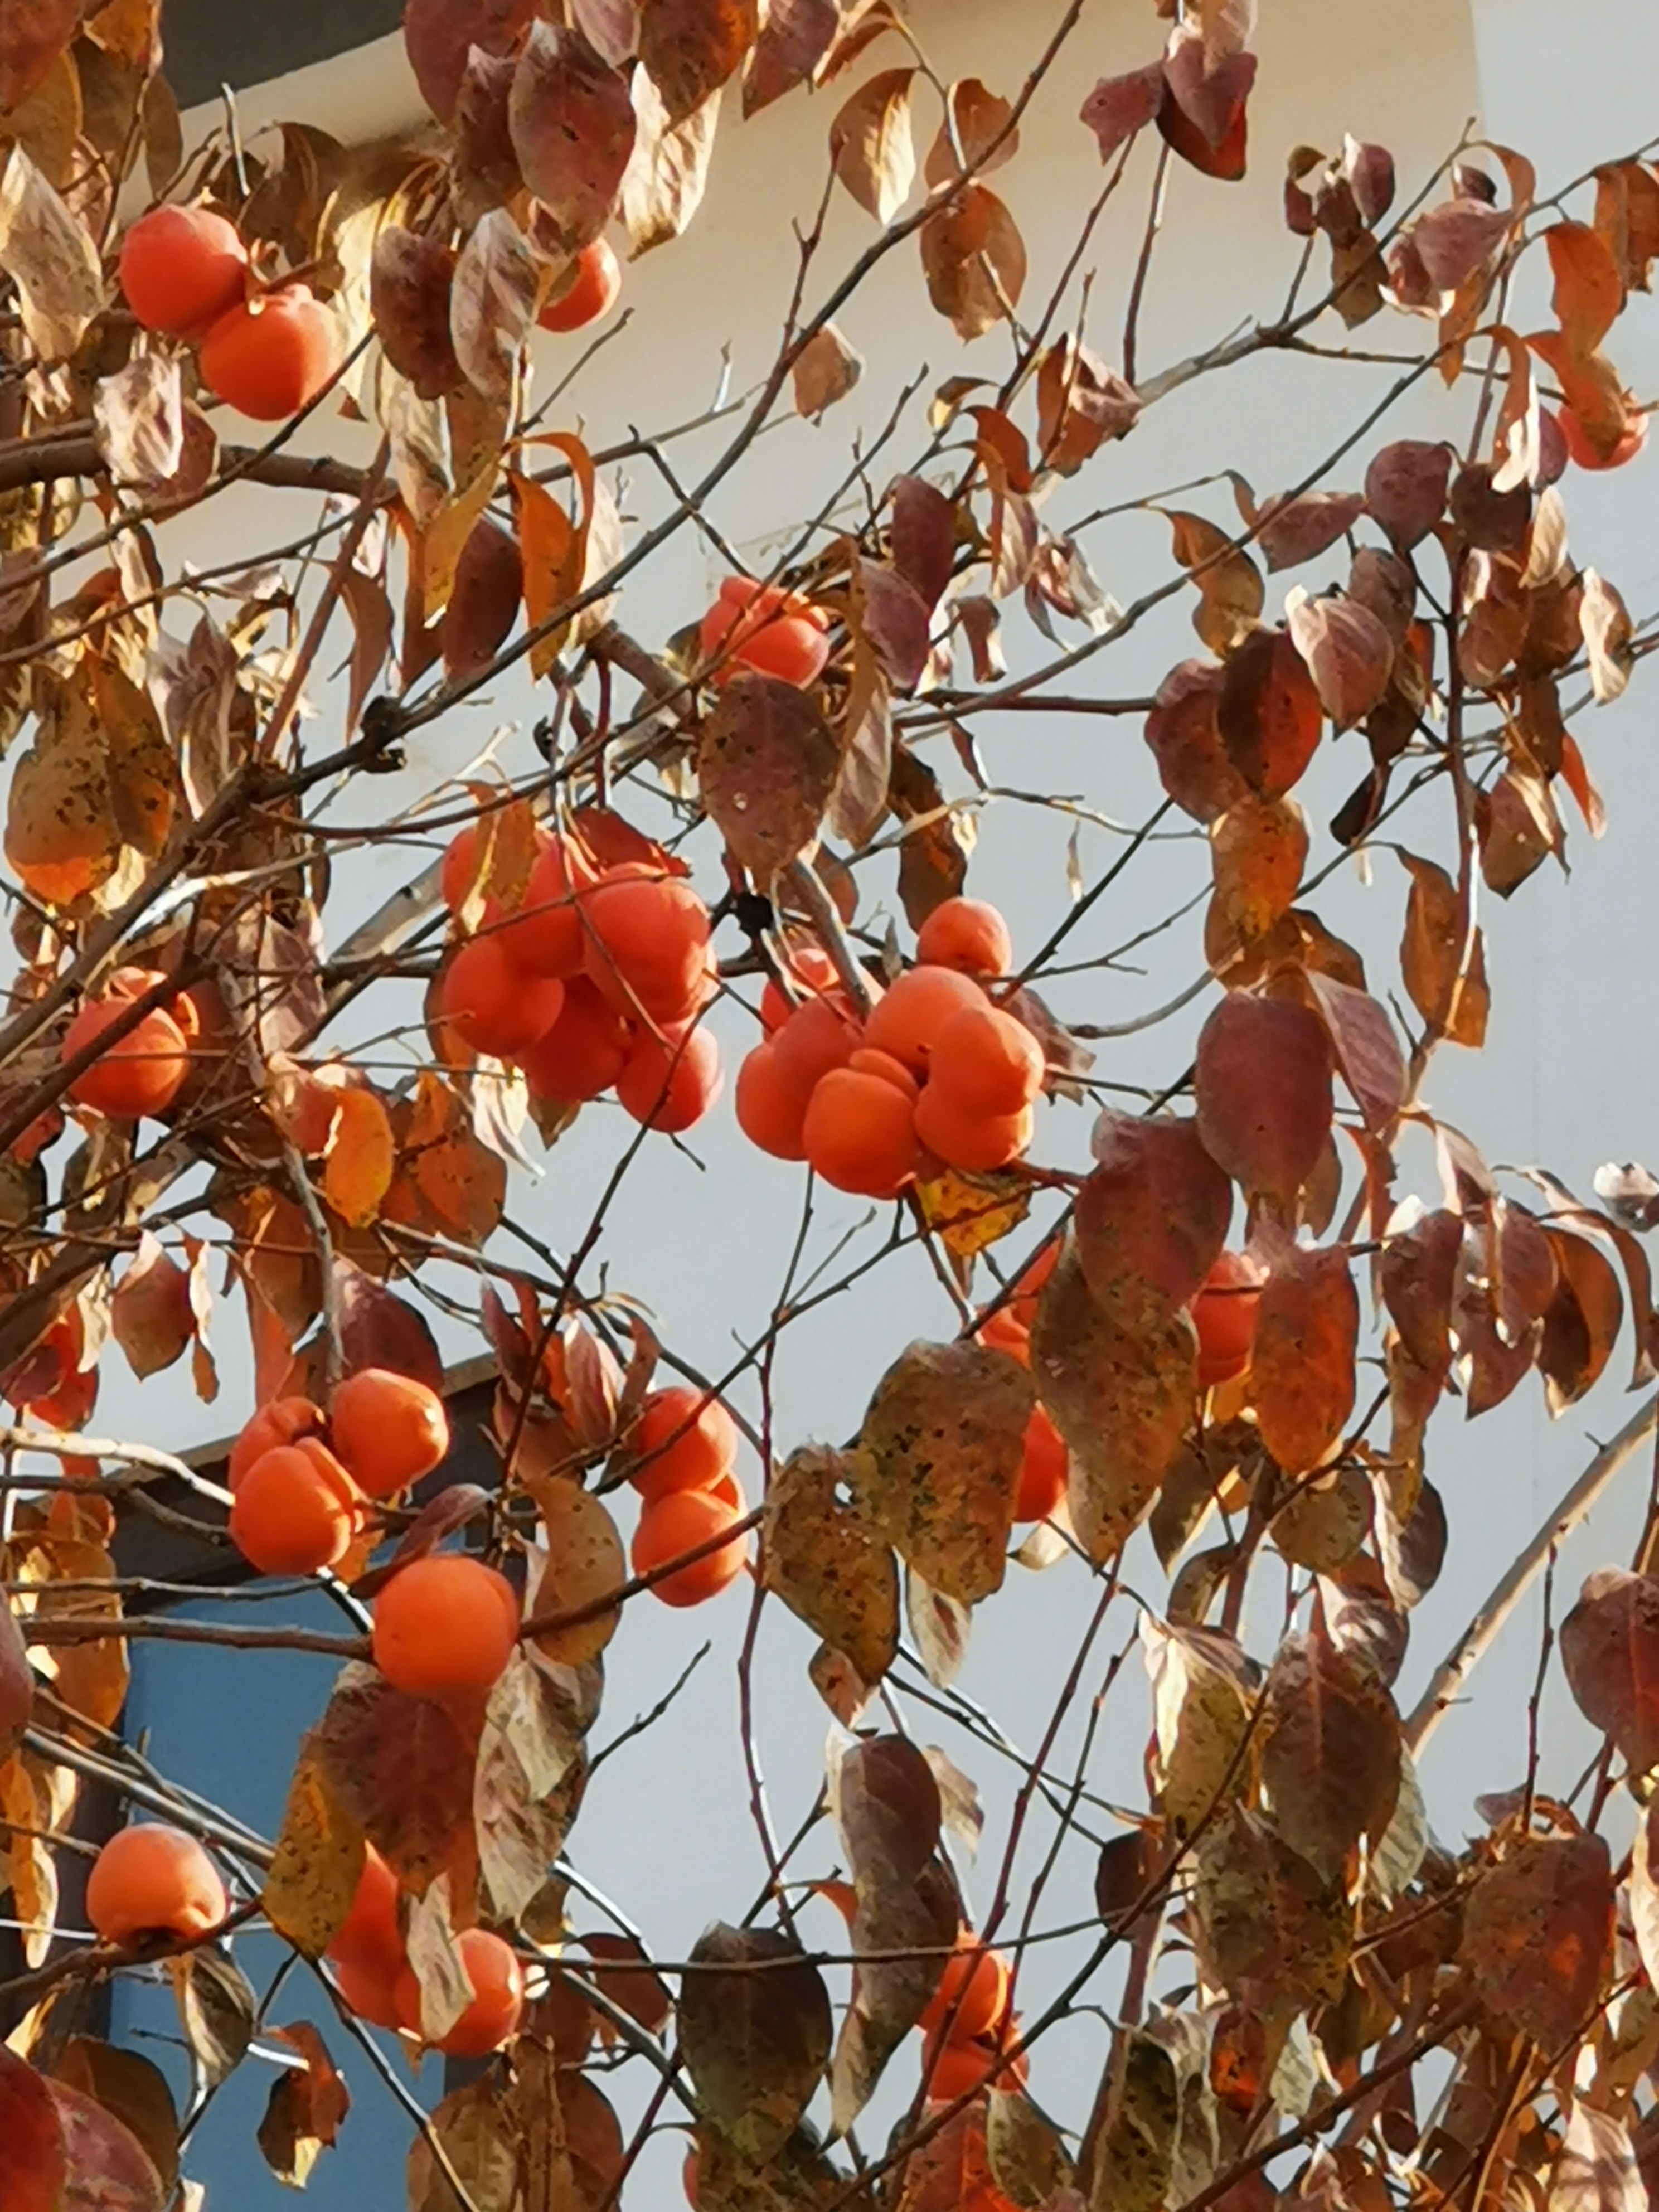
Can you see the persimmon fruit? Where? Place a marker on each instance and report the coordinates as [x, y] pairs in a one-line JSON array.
[[370, 1933], [140, 1073], [279, 1421], [647, 943], [986, 1061], [369, 1985], [670, 1083], [770, 1111], [151, 1879], [867, 1061], [492, 2016], [766, 628], [582, 1054], [444, 1623], [683, 1440], [1224, 1308], [972, 1994], [270, 357], [182, 268], [492, 1004], [907, 1019], [974, 1142], [677, 1523], [289, 1516], [545, 935], [388, 1429], [860, 1134], [822, 1035], [810, 970], [969, 934], [951, 2070], [593, 292]]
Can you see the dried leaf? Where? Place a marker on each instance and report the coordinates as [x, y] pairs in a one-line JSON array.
[[1595, 2169], [139, 423], [439, 35], [49, 257], [826, 369], [1230, 592], [573, 126], [766, 767], [362, 1158], [1348, 652], [1201, 1706], [974, 259], [401, 1770], [1268, 1929], [794, 38], [1155, 1210], [756, 2042], [1302, 1358], [870, 147], [216, 2006], [409, 280], [151, 1317], [493, 305], [1431, 955], [1330, 1751], [1120, 106], [1581, 1323], [1367, 1052], [1268, 715], [1183, 731], [1263, 1089], [319, 1861], [1405, 487], [826, 1560], [304, 2109], [1610, 1651], [690, 47], [1607, 629], [585, 1561], [1537, 1931], [1292, 531], [668, 174]]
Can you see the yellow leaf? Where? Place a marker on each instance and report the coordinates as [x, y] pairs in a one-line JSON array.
[[362, 1157], [319, 1859]]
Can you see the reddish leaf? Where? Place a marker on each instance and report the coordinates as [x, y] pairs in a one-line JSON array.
[[151, 1316], [611, 27], [690, 47], [1183, 731], [1330, 1751], [439, 35], [766, 768], [483, 603], [1081, 404], [623, 1973], [16, 1686], [1416, 1270], [1454, 1003], [573, 126], [1120, 106], [1348, 651], [33, 33], [1455, 240], [974, 259], [1257, 852], [37, 2164], [794, 38], [1268, 717], [1405, 487], [1156, 1210], [378, 1330], [492, 305], [891, 615], [1230, 592], [1368, 1053], [825, 371], [402, 1769], [978, 126], [1581, 1324], [108, 2169], [307, 2105], [1263, 1087], [756, 2042], [1537, 1930], [1293, 531], [1627, 216], [1203, 120], [1610, 1649], [1301, 1361], [409, 297], [1589, 289], [921, 537]]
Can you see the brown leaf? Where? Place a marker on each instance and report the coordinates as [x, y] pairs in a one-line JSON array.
[[306, 2107], [1258, 850], [492, 304], [690, 47], [1120, 106], [1455, 239], [1293, 531], [1183, 731], [1119, 1387], [1268, 715], [942, 1440], [1155, 1210], [1268, 1931], [1589, 289], [409, 280], [1430, 953], [216, 2005], [974, 259], [1024, 2149], [1405, 487], [933, 857], [826, 369], [401, 1770], [138, 421], [1263, 1089], [49, 257], [794, 38], [1330, 1751], [1081, 404], [1348, 652], [756, 2042], [921, 537], [1367, 1051], [132, 2091], [17, 1683], [572, 125], [313, 1878], [977, 120], [586, 1561], [1302, 1360], [1518, 827], [361, 1156], [1610, 1651], [668, 174], [379, 1329], [1230, 586], [439, 34], [484, 601], [1595, 2169], [108, 2170], [1417, 1269], [1627, 217], [824, 1558], [623, 1973], [1537, 1932], [1581, 1324], [870, 147], [858, 802], [1607, 627], [485, 168], [766, 765], [32, 34], [481, 2140], [889, 613], [1202, 1690]]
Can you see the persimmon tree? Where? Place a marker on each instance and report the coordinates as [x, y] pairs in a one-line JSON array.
[[1192, 1337]]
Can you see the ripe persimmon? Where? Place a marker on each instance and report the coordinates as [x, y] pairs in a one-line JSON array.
[[289, 1515], [1044, 1468], [497, 2002], [583, 1053], [677, 1523], [972, 1994], [770, 1110], [388, 1429], [493, 1004], [823, 1034], [182, 268], [270, 357], [973, 1142], [154, 1879], [141, 1073], [910, 1017], [370, 1933], [986, 1062], [545, 935], [969, 934], [811, 972], [684, 1439], [763, 627], [590, 293], [646, 944], [369, 1985], [866, 1060], [443, 1623], [670, 1083], [951, 2070], [1223, 1313], [861, 1133], [279, 1421]]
